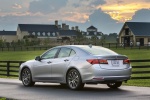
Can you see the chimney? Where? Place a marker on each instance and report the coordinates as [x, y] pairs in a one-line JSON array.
[[56, 23], [72, 28], [63, 26], [76, 28], [67, 27]]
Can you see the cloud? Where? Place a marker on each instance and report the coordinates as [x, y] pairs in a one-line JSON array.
[[98, 2], [142, 15], [46, 6], [16, 6], [104, 22]]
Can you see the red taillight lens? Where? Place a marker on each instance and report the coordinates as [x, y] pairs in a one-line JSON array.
[[126, 61], [93, 61], [97, 61], [102, 61]]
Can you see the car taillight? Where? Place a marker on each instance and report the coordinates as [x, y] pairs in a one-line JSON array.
[[126, 61], [97, 61]]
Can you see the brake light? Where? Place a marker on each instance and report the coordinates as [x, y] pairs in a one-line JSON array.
[[97, 61], [126, 61], [103, 61]]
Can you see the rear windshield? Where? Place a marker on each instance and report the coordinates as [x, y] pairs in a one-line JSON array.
[[95, 50]]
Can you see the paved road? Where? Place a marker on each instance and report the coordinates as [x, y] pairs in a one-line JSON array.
[[12, 88]]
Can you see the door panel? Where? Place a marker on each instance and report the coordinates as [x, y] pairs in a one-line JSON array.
[[42, 70], [59, 68]]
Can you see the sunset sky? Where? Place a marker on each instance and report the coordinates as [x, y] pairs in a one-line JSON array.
[[107, 15]]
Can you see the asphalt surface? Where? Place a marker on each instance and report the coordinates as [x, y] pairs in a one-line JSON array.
[[13, 88]]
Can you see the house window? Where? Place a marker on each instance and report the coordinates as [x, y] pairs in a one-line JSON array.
[[137, 40], [95, 33], [127, 31], [43, 33], [33, 33], [48, 33], [87, 33], [53, 34], [38, 34], [148, 39]]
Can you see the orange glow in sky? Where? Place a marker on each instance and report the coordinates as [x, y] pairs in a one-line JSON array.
[[123, 11]]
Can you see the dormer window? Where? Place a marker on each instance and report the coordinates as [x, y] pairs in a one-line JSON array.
[[53, 34], [33, 33], [43, 33], [57, 33], [38, 34], [48, 33]]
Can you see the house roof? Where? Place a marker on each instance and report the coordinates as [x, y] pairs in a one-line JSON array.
[[68, 32], [8, 32], [92, 27], [139, 28], [38, 27]]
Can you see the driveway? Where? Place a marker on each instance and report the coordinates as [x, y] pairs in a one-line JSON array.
[[13, 88]]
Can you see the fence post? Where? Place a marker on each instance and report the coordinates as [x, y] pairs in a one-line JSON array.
[[102, 44], [14, 48], [21, 48], [109, 45], [116, 46], [124, 45], [148, 46], [8, 66]]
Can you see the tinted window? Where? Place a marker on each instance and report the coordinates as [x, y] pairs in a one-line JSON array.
[[99, 50], [50, 54], [64, 52], [72, 53]]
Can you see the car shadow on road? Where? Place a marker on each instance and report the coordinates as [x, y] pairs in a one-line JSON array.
[[87, 88]]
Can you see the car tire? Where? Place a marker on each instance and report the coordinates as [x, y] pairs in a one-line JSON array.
[[114, 85], [74, 80], [26, 77]]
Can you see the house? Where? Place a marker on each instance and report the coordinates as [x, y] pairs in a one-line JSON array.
[[41, 31], [8, 36], [135, 33], [92, 32]]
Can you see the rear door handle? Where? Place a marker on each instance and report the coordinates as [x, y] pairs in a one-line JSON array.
[[66, 60], [49, 62]]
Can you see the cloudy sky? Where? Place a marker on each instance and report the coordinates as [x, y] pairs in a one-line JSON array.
[[107, 15]]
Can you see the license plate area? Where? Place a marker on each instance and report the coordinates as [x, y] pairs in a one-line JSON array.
[[115, 62]]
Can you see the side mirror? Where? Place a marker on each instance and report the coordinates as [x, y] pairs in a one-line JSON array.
[[38, 58]]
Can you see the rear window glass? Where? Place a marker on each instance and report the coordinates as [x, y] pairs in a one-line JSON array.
[[95, 50]]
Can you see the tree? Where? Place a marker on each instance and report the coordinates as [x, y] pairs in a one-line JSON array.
[[79, 37]]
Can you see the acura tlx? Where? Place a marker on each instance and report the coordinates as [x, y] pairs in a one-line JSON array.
[[76, 65]]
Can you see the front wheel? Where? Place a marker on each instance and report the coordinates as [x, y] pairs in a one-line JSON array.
[[74, 80], [114, 85], [27, 77]]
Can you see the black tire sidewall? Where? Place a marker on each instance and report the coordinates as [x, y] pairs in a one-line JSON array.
[[79, 85]]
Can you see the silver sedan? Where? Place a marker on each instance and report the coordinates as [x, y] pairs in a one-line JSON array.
[[76, 65]]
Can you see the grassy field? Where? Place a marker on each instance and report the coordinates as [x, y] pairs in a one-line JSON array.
[[131, 53]]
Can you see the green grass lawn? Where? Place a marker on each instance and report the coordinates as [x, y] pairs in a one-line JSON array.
[[19, 55], [131, 53]]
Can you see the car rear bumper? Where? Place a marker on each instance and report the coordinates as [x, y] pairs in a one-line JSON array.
[[103, 75], [108, 79]]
